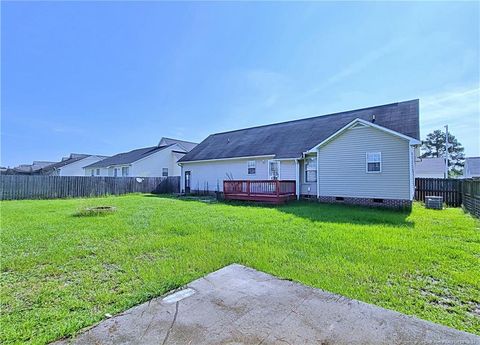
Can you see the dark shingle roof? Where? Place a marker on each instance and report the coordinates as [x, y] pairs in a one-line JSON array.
[[127, 157], [291, 139], [64, 162]]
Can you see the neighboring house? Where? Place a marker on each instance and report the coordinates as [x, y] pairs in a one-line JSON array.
[[71, 165], [363, 156], [430, 167], [154, 161], [472, 167], [27, 169], [187, 146]]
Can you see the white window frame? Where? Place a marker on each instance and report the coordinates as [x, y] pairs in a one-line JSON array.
[[98, 172], [163, 172], [270, 177], [313, 168], [252, 165], [374, 161], [127, 170], [92, 173]]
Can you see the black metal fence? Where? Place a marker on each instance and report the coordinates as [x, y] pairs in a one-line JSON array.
[[16, 187], [455, 192]]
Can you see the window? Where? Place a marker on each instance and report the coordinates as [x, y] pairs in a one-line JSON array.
[[92, 171], [165, 172], [115, 172], [311, 169], [374, 162], [124, 171], [274, 170], [251, 167], [98, 172]]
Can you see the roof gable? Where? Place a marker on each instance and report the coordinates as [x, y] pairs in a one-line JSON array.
[[186, 145], [291, 139], [359, 123]]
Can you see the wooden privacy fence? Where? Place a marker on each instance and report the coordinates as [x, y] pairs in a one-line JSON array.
[[16, 187], [449, 189], [455, 192], [471, 196]]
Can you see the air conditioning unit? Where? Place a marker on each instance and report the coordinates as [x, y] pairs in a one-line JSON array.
[[434, 202]]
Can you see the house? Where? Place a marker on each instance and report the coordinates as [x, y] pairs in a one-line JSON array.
[[71, 165], [471, 169], [26, 169], [363, 156], [430, 167], [154, 161]]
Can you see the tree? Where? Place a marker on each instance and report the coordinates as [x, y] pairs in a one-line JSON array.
[[434, 146]]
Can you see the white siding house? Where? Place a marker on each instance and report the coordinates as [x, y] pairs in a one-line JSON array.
[[155, 161], [76, 168], [472, 167], [364, 156], [71, 165]]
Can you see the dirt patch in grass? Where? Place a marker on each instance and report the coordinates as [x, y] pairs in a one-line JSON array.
[[95, 211]]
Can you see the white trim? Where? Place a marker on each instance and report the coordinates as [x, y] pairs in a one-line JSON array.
[[286, 159], [411, 171], [278, 164], [411, 140], [226, 159], [254, 167], [305, 164], [358, 125], [116, 166], [182, 187], [297, 178], [318, 173], [366, 162]]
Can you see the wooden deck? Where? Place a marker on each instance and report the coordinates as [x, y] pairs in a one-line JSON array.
[[268, 191]]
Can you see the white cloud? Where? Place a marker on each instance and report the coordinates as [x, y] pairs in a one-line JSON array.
[[460, 110]]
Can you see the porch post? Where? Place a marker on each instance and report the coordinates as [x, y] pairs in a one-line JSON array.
[[181, 179], [297, 179]]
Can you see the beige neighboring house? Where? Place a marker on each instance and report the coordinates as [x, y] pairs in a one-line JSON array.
[[430, 167], [153, 161], [364, 156]]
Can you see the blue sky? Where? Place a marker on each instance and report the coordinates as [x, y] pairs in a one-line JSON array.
[[106, 77]]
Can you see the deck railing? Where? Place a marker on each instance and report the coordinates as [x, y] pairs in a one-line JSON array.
[[259, 187]]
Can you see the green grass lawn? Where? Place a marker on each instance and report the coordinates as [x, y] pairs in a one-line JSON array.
[[62, 272]]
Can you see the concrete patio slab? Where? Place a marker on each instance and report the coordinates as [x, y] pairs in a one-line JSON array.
[[239, 305]]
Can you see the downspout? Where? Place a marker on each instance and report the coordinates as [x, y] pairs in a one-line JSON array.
[[297, 178], [412, 160], [318, 173], [181, 177]]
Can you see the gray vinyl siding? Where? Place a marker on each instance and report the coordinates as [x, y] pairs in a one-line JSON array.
[[306, 188], [287, 170], [342, 165]]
